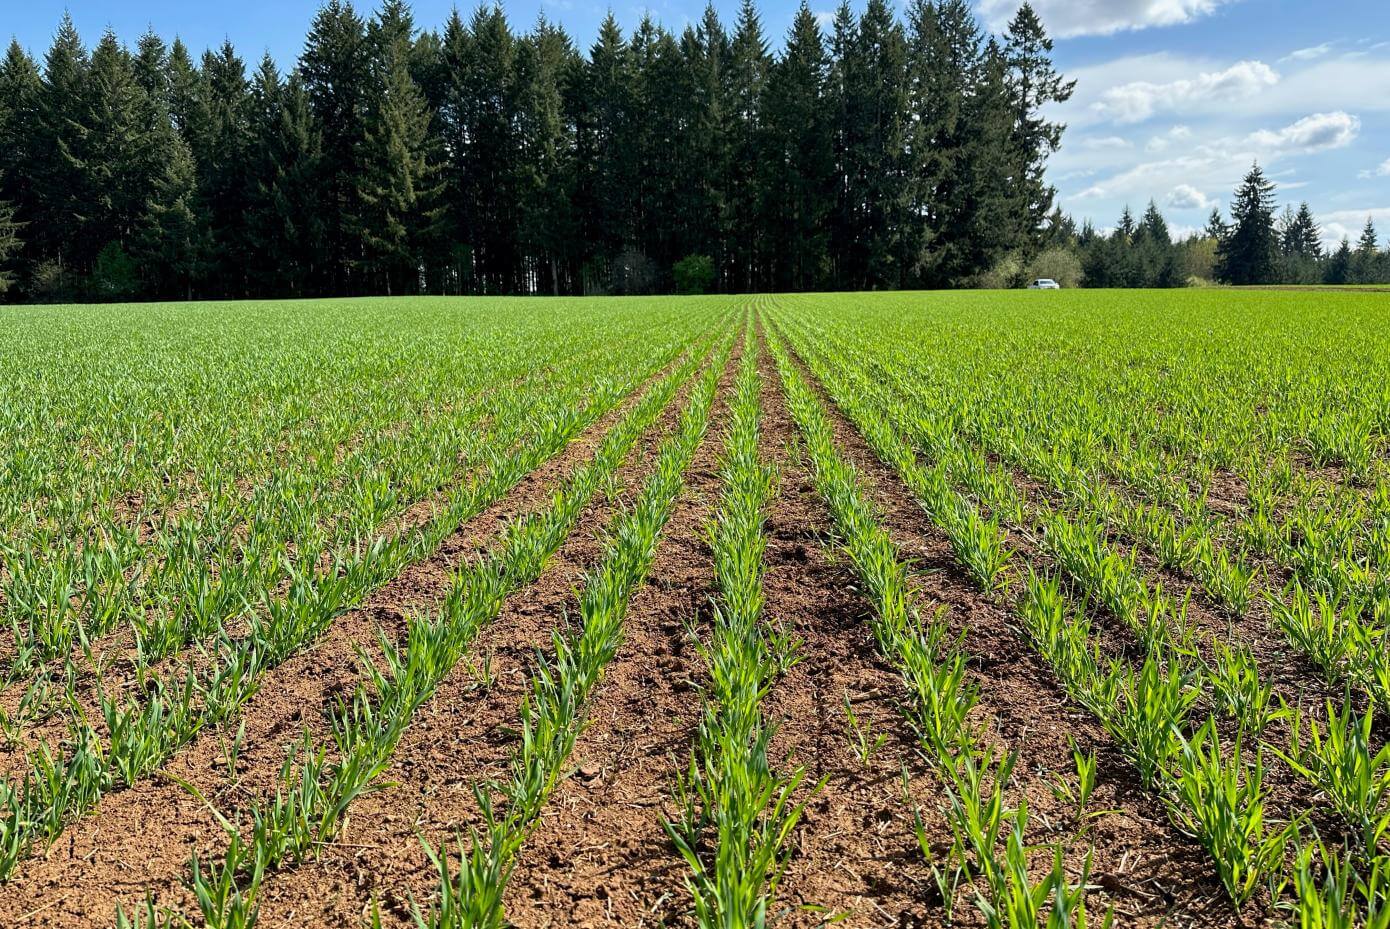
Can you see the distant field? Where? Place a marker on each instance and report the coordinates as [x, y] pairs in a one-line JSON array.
[[978, 609]]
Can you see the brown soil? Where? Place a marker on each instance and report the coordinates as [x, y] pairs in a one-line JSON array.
[[462, 738], [600, 855], [141, 838], [854, 854], [1142, 866]]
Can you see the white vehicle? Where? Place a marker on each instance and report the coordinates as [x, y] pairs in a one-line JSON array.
[[1044, 283]]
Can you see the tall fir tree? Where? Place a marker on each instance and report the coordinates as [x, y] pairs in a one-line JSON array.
[[1034, 86], [1366, 260], [59, 228], [1247, 253], [749, 63], [798, 188], [9, 246], [336, 69], [398, 176]]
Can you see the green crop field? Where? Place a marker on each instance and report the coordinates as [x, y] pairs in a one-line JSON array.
[[1000, 609]]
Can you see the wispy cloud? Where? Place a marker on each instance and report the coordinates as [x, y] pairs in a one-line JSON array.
[[1315, 133], [1067, 18], [1380, 170], [1187, 197], [1139, 100], [1311, 53]]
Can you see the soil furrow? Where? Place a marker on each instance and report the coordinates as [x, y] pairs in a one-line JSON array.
[[599, 855], [142, 837], [462, 737], [1141, 862]]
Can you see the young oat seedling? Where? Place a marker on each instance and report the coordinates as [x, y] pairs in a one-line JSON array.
[[862, 739], [1086, 767]]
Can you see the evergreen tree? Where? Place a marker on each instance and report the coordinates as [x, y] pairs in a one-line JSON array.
[[19, 93], [797, 192], [185, 97], [397, 178], [60, 229], [545, 64], [9, 246], [1300, 241], [1247, 253], [173, 242], [336, 69], [1034, 85], [221, 140], [1155, 255], [286, 214], [1338, 269], [750, 63], [1217, 228], [607, 170], [872, 84], [1367, 265]]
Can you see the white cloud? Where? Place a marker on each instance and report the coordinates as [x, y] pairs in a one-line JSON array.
[[1315, 133], [1138, 100], [1187, 197], [1161, 143], [1309, 54], [1347, 224], [1381, 170], [1106, 143], [1065, 18]]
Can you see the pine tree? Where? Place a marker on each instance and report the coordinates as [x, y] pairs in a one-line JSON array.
[[1217, 228], [946, 68], [19, 92], [662, 94], [1247, 253], [398, 176], [59, 227], [222, 146], [288, 218], [174, 242], [1300, 242], [1365, 261], [706, 161], [185, 97], [548, 228], [336, 69], [1034, 85], [9, 246], [798, 190], [749, 63], [1338, 270], [607, 174]]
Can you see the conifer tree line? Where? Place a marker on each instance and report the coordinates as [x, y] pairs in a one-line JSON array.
[[1257, 245], [880, 152]]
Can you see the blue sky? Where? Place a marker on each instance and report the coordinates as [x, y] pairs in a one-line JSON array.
[[1175, 97]]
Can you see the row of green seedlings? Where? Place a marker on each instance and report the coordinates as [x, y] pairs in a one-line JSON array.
[[989, 849], [1218, 798], [1341, 630], [208, 570], [737, 813], [1339, 627], [1081, 550], [471, 891], [1080, 553], [313, 800], [202, 567], [67, 592], [142, 734], [1231, 673]]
